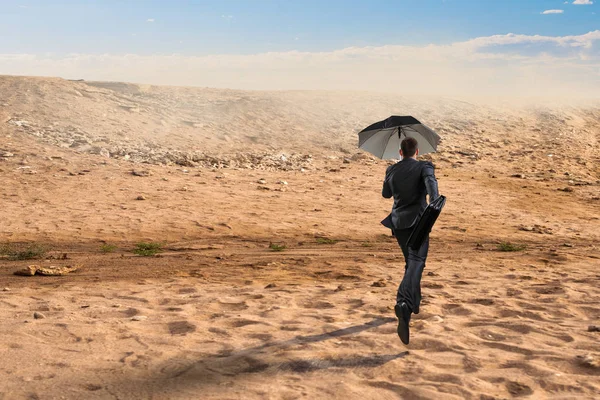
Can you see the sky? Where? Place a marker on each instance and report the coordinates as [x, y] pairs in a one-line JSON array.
[[494, 47]]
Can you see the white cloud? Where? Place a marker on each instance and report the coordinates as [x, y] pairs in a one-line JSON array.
[[150, 20], [227, 17], [583, 2], [494, 65], [552, 12]]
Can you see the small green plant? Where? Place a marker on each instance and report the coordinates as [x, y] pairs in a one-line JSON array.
[[506, 246], [276, 247], [147, 249], [23, 252], [324, 240], [108, 248]]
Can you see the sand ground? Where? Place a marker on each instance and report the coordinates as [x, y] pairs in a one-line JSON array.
[[218, 314]]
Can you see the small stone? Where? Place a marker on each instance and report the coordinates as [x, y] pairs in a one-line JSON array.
[[270, 286], [141, 197], [568, 245], [7, 154], [104, 153], [589, 361], [116, 305], [138, 172], [520, 176], [437, 319], [27, 271], [341, 288], [6, 289], [139, 318], [38, 315], [282, 182], [379, 283], [262, 181], [593, 328]]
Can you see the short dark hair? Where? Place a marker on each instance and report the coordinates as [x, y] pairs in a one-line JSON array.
[[409, 147]]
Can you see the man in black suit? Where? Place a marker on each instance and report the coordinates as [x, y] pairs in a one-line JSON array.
[[409, 181]]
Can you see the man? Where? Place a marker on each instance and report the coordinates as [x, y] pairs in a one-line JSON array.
[[409, 181]]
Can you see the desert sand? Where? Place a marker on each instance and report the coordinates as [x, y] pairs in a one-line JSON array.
[[223, 178]]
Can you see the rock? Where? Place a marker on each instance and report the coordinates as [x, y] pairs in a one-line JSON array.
[[7, 154], [27, 271], [589, 361], [140, 197], [263, 188], [56, 271], [379, 283], [270, 286], [536, 228], [104, 153], [282, 182], [46, 271], [566, 189], [38, 315], [568, 245], [140, 172], [437, 319], [262, 181], [520, 176], [139, 318], [6, 289], [593, 328], [341, 288]]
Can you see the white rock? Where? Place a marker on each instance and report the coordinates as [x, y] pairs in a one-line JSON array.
[[139, 318]]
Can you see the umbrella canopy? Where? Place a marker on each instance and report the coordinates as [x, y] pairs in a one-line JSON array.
[[382, 139]]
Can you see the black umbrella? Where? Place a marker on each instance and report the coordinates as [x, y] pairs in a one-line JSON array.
[[382, 139]]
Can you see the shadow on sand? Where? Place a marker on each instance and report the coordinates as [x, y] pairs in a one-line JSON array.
[[182, 374]]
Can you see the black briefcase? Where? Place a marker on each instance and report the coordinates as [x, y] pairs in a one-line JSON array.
[[425, 223]]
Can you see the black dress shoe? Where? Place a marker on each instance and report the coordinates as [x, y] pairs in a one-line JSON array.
[[403, 314]]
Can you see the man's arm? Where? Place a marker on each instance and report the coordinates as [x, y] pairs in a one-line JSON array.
[[387, 190], [431, 185]]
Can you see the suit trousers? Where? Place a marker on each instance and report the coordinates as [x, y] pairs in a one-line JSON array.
[[409, 290]]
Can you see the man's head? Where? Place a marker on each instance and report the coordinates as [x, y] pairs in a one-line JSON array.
[[409, 148]]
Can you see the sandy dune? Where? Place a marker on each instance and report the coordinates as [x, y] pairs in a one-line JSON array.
[[218, 314]]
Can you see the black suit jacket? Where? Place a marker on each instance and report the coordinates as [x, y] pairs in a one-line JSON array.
[[408, 181]]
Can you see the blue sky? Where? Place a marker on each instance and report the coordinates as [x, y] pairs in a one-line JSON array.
[[535, 47], [252, 26]]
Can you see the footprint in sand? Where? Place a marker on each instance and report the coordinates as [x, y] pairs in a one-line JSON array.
[[493, 336], [517, 389], [181, 328], [233, 306], [176, 367], [456, 309]]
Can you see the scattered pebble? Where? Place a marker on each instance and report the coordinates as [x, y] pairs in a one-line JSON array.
[[38, 315], [140, 197], [593, 328], [6, 289], [139, 318], [270, 286], [379, 283]]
